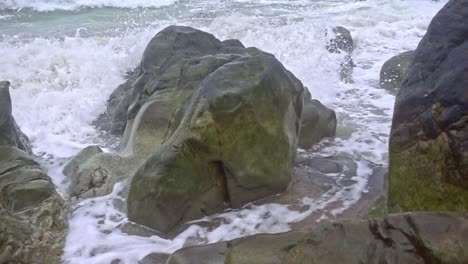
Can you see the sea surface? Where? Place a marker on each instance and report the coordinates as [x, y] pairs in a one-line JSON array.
[[65, 57]]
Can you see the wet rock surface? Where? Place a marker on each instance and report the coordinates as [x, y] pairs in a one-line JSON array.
[[399, 238], [429, 136], [230, 123], [317, 122], [393, 71], [33, 216]]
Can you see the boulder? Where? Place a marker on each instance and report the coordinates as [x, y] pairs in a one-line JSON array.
[[10, 133], [208, 125], [393, 71], [158, 85], [33, 216], [317, 122], [400, 238], [93, 173], [341, 41], [429, 138], [226, 126]]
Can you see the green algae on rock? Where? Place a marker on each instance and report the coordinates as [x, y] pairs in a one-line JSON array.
[[232, 138], [429, 138]]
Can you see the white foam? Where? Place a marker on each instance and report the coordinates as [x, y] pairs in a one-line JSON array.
[[50, 5]]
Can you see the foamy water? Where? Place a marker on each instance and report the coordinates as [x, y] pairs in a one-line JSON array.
[[50, 5], [64, 64]]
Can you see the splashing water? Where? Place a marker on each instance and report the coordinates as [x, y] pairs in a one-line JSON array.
[[64, 63]]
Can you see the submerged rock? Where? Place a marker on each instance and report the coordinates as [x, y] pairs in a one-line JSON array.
[[33, 215], [342, 42], [317, 122], [10, 133], [228, 129], [393, 71], [400, 238], [429, 136]]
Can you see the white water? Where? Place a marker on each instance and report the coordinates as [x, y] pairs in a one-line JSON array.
[[50, 5], [63, 66]]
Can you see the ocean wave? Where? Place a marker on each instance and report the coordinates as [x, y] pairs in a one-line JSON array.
[[69, 5]]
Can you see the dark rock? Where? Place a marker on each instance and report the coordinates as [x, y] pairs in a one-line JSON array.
[[233, 43], [400, 238], [394, 69], [317, 122], [341, 41], [10, 133], [115, 118], [429, 136], [226, 126]]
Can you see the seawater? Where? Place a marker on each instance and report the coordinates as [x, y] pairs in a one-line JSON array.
[[65, 57]]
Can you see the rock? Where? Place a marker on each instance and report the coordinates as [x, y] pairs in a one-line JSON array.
[[74, 164], [115, 117], [10, 133], [211, 254], [233, 43], [312, 181], [138, 230], [222, 126], [429, 137], [154, 258], [317, 122], [174, 52], [400, 238], [342, 42], [405, 238], [33, 216], [346, 69], [94, 173], [394, 69]]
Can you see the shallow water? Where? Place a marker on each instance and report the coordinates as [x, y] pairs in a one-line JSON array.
[[64, 58]]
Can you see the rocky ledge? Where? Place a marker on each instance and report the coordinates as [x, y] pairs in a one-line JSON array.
[[33, 216]]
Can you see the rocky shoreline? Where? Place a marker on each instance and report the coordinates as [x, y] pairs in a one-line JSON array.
[[208, 125]]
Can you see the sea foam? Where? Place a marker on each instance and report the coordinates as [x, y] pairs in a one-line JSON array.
[[50, 5]]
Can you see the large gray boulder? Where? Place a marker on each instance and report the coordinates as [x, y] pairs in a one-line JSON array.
[[393, 71], [400, 238], [33, 216], [429, 136], [164, 59], [226, 124]]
